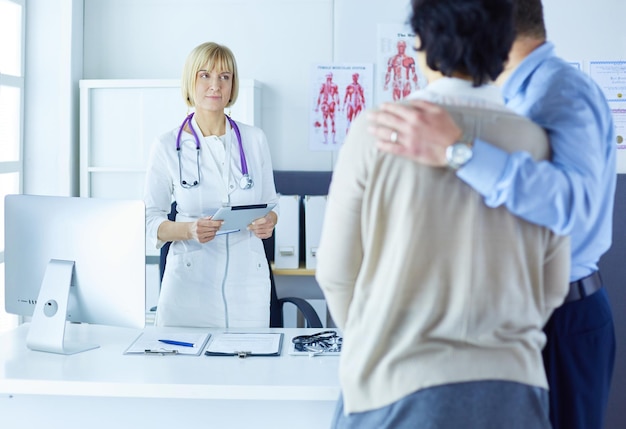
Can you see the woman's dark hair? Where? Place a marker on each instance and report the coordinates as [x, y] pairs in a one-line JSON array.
[[472, 37]]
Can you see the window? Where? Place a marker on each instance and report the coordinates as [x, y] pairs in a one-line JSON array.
[[12, 18]]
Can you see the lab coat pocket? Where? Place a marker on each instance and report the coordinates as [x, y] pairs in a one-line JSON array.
[[257, 256], [187, 266]]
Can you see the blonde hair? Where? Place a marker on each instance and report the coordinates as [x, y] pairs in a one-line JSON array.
[[208, 55]]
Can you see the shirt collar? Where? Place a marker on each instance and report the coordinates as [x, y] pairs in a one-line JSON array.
[[525, 68]]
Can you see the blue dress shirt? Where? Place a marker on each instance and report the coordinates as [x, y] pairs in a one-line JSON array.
[[574, 193]]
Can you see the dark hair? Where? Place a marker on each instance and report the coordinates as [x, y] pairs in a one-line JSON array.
[[529, 19], [472, 37]]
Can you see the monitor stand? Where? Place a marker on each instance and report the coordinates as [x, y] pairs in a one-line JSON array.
[[47, 328]]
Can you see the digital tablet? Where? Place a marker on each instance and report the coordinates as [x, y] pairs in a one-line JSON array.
[[237, 218]]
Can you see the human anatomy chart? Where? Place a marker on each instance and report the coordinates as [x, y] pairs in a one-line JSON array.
[[339, 92]]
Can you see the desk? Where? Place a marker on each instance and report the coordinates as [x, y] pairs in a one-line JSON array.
[[103, 388]]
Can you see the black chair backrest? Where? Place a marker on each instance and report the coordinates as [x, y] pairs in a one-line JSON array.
[[166, 247], [299, 183]]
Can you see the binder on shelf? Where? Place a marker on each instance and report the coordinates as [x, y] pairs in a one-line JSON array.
[[314, 208], [287, 233]]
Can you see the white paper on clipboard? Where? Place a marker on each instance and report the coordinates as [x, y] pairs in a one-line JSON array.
[[237, 218]]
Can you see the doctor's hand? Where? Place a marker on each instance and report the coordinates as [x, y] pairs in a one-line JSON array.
[[263, 226], [204, 229], [417, 130]]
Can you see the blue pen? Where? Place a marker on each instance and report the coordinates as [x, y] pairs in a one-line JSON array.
[[176, 343]]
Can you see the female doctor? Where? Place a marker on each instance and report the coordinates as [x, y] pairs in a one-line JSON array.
[[210, 161]]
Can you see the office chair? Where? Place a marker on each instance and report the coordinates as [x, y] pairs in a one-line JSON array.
[[276, 304]]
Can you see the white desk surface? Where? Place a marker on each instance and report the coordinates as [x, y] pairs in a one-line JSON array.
[[106, 371], [103, 388]]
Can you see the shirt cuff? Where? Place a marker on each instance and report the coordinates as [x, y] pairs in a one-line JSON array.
[[485, 168]]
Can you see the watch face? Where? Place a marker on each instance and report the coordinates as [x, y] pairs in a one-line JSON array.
[[458, 155], [462, 153]]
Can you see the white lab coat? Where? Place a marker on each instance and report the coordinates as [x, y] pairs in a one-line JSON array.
[[225, 282]]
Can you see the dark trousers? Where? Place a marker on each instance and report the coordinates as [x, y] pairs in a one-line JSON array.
[[487, 404], [579, 358]]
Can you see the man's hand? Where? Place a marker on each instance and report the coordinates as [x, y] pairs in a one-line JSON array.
[[423, 131]]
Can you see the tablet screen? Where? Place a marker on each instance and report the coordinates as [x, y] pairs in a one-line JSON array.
[[237, 218]]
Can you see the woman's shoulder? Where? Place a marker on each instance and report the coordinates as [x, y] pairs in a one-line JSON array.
[[163, 141], [245, 126], [168, 137]]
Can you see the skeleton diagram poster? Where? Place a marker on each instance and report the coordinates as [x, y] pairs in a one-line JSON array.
[[339, 92], [397, 72]]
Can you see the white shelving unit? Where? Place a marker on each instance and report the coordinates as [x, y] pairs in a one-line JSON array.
[[119, 120]]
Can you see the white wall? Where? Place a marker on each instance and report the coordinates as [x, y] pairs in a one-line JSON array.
[[275, 41], [587, 30], [53, 66]]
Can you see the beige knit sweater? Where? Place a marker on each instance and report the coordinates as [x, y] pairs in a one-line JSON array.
[[429, 285]]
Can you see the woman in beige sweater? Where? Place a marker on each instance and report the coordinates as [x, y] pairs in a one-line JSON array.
[[441, 299]]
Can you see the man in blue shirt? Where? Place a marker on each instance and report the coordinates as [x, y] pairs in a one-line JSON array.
[[573, 194]]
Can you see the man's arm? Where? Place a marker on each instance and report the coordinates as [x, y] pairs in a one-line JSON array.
[[553, 194], [424, 131]]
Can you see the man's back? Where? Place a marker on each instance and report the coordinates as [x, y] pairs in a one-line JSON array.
[[571, 107]]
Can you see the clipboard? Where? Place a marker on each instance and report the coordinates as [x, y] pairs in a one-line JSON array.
[[243, 345], [161, 343], [237, 218]]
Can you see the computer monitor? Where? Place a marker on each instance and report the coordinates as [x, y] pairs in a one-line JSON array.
[[74, 259]]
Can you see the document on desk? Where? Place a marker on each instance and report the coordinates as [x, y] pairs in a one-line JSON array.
[[245, 344], [169, 343]]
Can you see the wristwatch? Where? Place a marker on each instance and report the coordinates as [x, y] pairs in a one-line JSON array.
[[458, 154]]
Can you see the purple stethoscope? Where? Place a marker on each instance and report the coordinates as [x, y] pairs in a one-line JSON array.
[[245, 182]]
